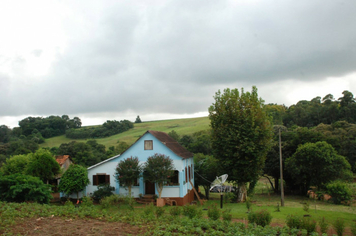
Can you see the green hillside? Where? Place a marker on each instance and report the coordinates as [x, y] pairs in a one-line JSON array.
[[181, 126]]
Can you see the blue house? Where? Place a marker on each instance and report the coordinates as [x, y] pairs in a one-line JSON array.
[[180, 186]]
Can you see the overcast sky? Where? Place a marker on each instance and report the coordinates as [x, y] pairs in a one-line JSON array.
[[101, 60]]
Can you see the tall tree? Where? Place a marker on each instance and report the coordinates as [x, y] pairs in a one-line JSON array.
[[241, 135], [316, 164], [43, 165], [127, 172]]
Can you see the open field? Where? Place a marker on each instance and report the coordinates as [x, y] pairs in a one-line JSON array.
[[35, 219], [181, 126]]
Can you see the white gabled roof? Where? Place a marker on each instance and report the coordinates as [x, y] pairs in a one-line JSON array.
[[98, 164]]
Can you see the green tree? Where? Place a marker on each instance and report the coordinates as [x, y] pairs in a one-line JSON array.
[[127, 172], [138, 120], [241, 135], [15, 164], [316, 164], [157, 169], [74, 180], [205, 169], [21, 188], [43, 165], [174, 135]]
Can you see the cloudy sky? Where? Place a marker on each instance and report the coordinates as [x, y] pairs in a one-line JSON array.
[[103, 60]]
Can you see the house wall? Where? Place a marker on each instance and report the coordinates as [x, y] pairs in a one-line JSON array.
[[137, 150]]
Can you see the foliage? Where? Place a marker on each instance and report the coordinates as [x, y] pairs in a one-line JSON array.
[[191, 211], [353, 229], [20, 188], [48, 127], [262, 218], [227, 215], [43, 165], [339, 191], [294, 221], [85, 154], [109, 128], [339, 226], [127, 172], [15, 164], [241, 134], [74, 180], [159, 211], [214, 212], [87, 201], [323, 224], [175, 211], [173, 134], [157, 169], [316, 164], [308, 224], [103, 190], [138, 120], [205, 169], [108, 201]]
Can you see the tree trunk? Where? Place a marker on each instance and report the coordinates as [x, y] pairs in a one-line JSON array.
[[159, 190], [207, 188], [130, 190], [241, 192]]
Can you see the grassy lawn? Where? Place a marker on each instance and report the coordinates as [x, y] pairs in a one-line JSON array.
[[181, 126], [293, 205]]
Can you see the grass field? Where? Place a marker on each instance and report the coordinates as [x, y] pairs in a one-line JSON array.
[[181, 126]]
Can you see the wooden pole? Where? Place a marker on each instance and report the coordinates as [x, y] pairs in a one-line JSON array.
[[281, 168]]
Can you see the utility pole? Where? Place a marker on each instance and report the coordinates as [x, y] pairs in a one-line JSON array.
[[281, 168]]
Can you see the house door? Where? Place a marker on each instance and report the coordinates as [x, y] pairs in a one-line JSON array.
[[149, 188]]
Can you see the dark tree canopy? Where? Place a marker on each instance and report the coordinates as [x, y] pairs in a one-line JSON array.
[[241, 134], [316, 164], [128, 171]]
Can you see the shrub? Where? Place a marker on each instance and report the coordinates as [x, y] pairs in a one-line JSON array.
[[339, 192], [248, 204], [213, 212], [104, 190], [175, 211], [339, 226], [308, 224], [227, 215], [148, 210], [106, 202], [159, 211], [87, 201], [294, 222], [323, 224], [21, 188], [191, 211], [261, 218]]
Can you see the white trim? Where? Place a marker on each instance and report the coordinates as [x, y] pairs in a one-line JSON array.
[[98, 164]]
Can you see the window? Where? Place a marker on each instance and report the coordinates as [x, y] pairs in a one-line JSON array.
[[186, 178], [189, 172], [148, 145], [101, 179], [174, 179]]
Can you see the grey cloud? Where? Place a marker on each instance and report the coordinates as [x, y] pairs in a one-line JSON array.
[[171, 57]]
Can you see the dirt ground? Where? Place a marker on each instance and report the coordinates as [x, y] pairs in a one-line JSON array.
[[60, 226], [90, 227]]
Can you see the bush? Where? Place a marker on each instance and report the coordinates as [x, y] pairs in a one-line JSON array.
[[261, 218], [87, 201], [308, 224], [191, 211], [21, 188], [106, 202], [104, 190], [323, 224], [294, 222], [339, 226], [213, 212], [227, 215], [175, 211], [339, 192], [159, 211]]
